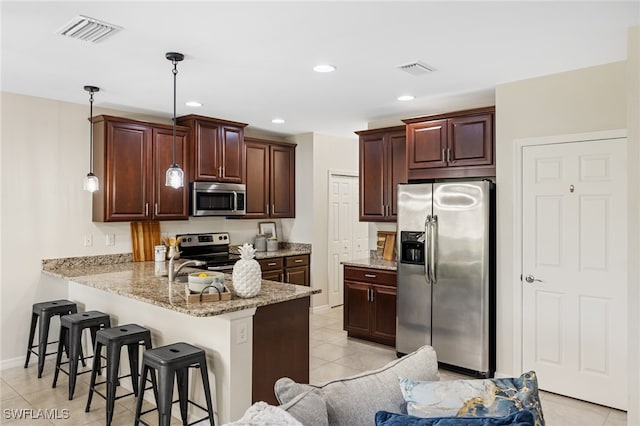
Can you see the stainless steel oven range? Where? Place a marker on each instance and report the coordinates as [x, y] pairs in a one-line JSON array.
[[212, 248]]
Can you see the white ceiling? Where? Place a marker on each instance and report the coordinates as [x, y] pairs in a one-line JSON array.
[[252, 61]]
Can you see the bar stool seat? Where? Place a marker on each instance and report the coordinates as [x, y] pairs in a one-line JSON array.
[[114, 338], [71, 328], [44, 311], [169, 361]]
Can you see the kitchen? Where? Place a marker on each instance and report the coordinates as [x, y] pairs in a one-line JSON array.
[[49, 160]]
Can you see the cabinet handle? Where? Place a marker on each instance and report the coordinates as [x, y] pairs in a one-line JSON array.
[[298, 261], [273, 209], [368, 295], [272, 264], [288, 277], [372, 295], [444, 154], [267, 207], [449, 155], [146, 209], [370, 275], [282, 277], [219, 171], [155, 209]]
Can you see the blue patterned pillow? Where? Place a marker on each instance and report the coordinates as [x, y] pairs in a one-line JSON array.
[[473, 398], [519, 418]]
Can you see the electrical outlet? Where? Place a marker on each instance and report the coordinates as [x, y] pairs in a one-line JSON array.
[[111, 239], [88, 240], [242, 333]]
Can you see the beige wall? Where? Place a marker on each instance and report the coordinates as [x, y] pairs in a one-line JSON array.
[[45, 213], [633, 129], [580, 101]]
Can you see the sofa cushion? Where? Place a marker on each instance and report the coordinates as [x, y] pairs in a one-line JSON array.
[[519, 418], [354, 400], [478, 398], [308, 408], [263, 414]]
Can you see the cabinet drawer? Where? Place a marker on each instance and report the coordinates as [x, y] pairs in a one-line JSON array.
[[370, 275], [271, 264], [301, 260]]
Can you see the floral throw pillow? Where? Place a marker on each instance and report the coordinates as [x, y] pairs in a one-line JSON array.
[[478, 398]]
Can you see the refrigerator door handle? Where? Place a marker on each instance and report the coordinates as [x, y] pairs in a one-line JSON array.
[[434, 249], [427, 243]]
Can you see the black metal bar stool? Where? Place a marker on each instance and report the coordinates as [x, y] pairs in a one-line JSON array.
[[71, 327], [170, 360], [45, 311], [129, 335]]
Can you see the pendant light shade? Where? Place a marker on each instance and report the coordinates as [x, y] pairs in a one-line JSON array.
[[175, 175], [91, 182]]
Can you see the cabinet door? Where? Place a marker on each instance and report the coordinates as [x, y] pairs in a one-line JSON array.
[[383, 315], [397, 163], [427, 144], [282, 188], [298, 275], [128, 187], [470, 140], [169, 203], [372, 177], [257, 179], [356, 308], [273, 276], [231, 154], [205, 151]]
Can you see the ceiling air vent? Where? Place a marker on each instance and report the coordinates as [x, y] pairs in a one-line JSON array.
[[88, 29], [416, 68]]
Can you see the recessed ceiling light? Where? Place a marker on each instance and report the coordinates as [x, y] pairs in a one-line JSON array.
[[406, 98], [324, 68], [193, 104], [278, 121]]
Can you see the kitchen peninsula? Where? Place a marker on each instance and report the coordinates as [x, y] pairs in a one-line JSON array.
[[250, 343]]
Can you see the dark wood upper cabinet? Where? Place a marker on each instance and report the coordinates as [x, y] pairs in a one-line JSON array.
[[216, 148], [458, 144], [382, 168], [130, 159], [270, 179]]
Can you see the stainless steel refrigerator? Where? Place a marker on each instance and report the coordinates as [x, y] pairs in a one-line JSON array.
[[446, 273]]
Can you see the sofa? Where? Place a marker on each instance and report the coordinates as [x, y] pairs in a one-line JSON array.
[[406, 391]]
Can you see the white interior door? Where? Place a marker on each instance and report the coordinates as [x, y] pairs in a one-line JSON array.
[[574, 248], [348, 238]]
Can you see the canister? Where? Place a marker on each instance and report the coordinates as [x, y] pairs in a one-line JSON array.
[[272, 244], [160, 253], [260, 243]]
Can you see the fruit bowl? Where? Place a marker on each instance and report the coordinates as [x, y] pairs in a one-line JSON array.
[[198, 281]]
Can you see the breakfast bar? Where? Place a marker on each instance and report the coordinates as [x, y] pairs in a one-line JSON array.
[[254, 341]]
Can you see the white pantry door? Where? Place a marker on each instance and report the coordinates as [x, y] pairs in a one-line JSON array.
[[348, 238], [574, 219]]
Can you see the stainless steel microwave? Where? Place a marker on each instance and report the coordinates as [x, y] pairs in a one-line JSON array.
[[217, 199]]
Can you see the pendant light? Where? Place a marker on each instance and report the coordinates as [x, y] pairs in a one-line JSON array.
[[91, 182], [175, 175]]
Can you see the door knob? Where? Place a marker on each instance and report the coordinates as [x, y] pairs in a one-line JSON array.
[[531, 279]]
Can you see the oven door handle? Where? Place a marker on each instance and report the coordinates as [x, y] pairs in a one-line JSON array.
[[220, 268]]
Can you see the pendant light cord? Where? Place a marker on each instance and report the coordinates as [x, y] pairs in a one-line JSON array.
[[91, 132], [175, 73]]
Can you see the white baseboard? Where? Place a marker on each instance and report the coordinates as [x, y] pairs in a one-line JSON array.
[[13, 362], [500, 375], [321, 308]]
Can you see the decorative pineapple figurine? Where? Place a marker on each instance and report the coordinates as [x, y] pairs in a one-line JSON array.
[[247, 276]]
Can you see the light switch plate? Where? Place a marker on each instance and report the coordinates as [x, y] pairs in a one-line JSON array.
[[88, 240]]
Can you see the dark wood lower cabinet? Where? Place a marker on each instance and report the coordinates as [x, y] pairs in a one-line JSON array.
[[370, 304], [290, 269], [280, 346]]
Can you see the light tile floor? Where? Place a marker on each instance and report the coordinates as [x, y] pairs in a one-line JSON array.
[[333, 355]]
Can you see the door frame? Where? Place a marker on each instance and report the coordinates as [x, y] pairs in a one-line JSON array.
[[331, 174], [517, 161]]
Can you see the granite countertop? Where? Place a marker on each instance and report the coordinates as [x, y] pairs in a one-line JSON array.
[[284, 250], [138, 280], [373, 263]]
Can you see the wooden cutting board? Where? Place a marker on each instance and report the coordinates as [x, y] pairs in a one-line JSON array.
[[144, 236]]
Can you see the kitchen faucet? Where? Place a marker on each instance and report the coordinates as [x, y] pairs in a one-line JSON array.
[[173, 273]]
